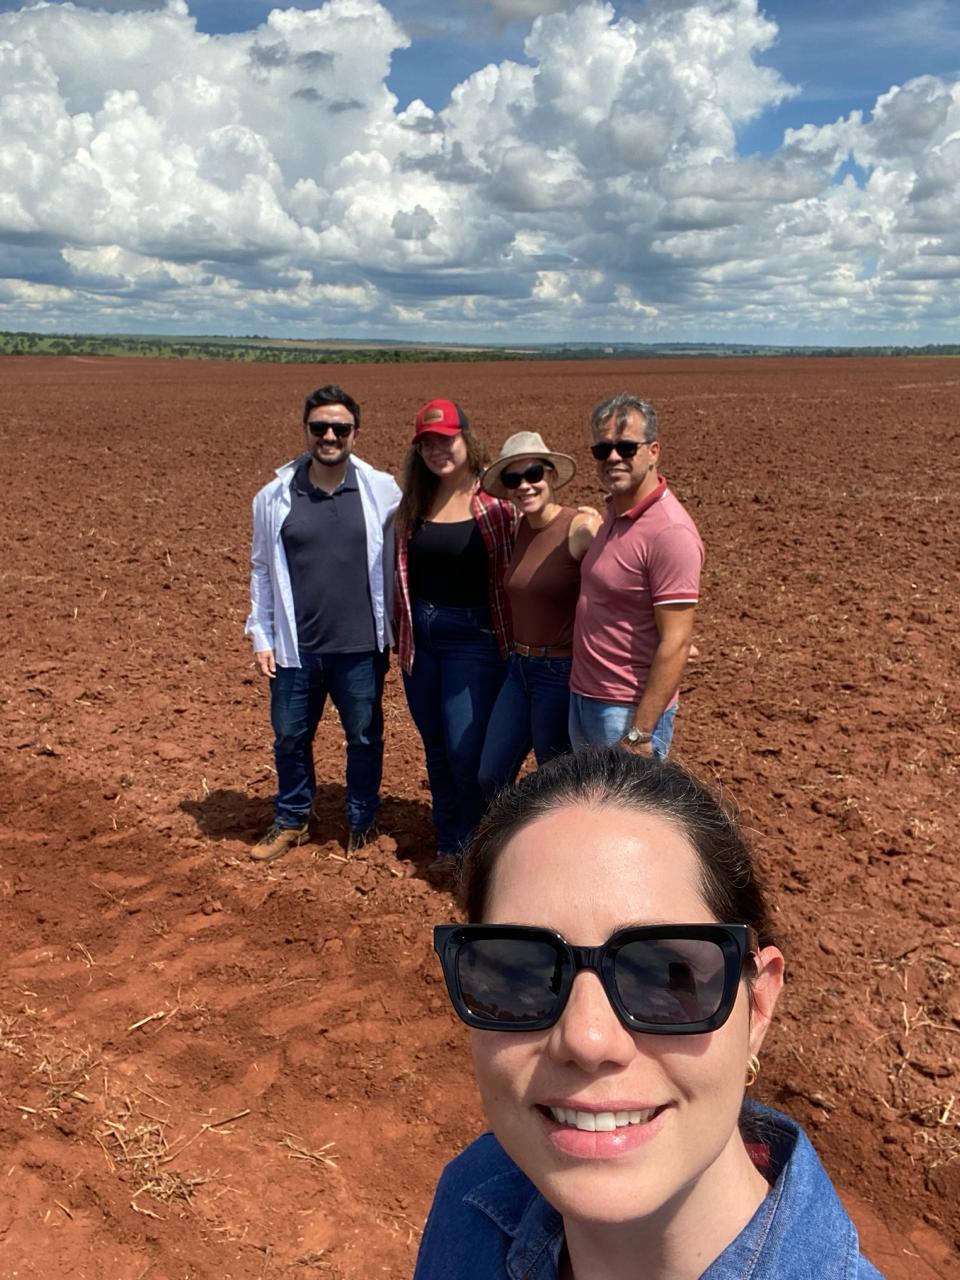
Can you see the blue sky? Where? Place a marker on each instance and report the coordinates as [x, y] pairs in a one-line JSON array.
[[841, 56], [677, 170]]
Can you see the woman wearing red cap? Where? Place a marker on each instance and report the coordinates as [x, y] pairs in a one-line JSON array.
[[453, 622]]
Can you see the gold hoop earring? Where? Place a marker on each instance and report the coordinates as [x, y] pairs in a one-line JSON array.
[[753, 1070]]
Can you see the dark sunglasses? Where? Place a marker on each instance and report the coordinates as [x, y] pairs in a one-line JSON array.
[[625, 448], [663, 979], [340, 429], [532, 475]]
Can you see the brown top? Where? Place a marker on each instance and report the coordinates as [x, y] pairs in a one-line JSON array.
[[542, 583]]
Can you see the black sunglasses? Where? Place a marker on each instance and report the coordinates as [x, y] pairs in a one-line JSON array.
[[340, 429], [532, 475], [625, 448], [663, 979]]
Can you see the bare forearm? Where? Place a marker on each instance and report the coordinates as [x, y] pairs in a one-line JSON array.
[[663, 679]]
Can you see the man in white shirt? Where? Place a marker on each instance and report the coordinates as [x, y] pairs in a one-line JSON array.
[[321, 607]]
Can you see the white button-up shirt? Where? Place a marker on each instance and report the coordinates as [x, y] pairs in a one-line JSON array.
[[272, 621]]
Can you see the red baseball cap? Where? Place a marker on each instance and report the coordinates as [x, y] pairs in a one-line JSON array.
[[440, 418]]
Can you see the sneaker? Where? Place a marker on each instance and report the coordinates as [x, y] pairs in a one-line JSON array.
[[277, 841], [358, 840]]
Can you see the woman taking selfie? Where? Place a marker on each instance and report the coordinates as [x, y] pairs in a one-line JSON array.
[[542, 583], [453, 622], [613, 1047]]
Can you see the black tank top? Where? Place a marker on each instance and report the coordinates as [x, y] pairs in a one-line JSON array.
[[449, 565]]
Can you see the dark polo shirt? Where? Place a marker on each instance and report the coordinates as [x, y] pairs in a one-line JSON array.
[[325, 542]]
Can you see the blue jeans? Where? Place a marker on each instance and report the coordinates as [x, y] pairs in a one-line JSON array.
[[532, 710], [354, 682], [457, 673], [594, 723]]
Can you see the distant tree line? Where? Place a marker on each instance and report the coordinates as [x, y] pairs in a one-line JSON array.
[[290, 351], [243, 349], [665, 351]]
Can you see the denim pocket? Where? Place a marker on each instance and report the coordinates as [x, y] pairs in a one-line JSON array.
[[560, 667], [479, 620]]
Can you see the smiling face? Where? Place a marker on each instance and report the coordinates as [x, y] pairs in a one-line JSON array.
[[628, 479], [444, 455], [323, 444], [531, 497], [611, 1125]]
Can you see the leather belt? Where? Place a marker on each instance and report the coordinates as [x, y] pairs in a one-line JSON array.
[[542, 651]]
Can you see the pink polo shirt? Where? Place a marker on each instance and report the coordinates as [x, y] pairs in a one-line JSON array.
[[651, 555]]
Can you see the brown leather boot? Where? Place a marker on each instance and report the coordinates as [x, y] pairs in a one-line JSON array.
[[277, 841]]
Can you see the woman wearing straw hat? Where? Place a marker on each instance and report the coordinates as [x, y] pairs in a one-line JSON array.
[[542, 583]]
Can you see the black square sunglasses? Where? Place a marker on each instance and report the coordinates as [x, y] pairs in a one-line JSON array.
[[626, 449], [340, 429], [670, 979], [533, 475]]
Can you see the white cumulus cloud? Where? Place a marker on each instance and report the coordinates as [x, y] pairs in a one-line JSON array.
[[152, 174]]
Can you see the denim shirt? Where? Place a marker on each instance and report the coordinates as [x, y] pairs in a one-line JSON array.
[[489, 1222]]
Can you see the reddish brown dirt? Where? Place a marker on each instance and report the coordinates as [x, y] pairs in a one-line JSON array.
[[211, 1069]]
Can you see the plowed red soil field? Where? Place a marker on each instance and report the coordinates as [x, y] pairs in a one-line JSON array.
[[213, 1069]]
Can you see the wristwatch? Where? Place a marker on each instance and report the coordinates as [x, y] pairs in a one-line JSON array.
[[637, 735]]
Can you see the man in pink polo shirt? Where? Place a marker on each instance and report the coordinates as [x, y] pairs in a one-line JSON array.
[[639, 587]]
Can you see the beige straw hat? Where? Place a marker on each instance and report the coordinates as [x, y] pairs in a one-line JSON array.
[[526, 444]]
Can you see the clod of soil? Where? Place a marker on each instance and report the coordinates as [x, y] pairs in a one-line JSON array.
[[214, 1069]]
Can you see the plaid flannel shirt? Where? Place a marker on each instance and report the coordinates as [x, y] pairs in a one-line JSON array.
[[498, 525]]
